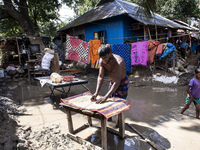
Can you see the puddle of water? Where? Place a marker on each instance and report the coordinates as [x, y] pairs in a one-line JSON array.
[[115, 143], [155, 104]]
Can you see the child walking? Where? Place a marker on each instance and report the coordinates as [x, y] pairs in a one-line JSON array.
[[193, 91]]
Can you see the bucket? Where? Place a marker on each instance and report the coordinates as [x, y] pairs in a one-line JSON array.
[[1, 72]]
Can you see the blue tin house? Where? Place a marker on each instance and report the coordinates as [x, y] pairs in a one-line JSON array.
[[117, 22]]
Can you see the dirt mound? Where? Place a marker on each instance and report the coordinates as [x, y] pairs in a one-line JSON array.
[[8, 123], [185, 78]]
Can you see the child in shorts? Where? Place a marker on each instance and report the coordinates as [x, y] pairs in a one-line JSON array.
[[193, 91]]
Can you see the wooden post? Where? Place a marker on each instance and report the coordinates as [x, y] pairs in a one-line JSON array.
[[149, 33], [63, 50], [104, 133], [145, 33], [56, 66], [19, 55], [121, 125], [156, 29]]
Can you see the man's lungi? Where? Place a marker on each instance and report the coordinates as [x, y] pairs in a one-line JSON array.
[[122, 90]]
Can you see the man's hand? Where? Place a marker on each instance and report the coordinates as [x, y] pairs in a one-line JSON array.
[[94, 97], [101, 100]]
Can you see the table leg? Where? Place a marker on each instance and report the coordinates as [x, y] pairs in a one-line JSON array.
[[67, 91], [121, 125], [104, 133], [90, 121], [51, 91], [69, 119]]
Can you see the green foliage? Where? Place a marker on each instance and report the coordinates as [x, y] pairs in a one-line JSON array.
[[43, 10], [178, 9], [49, 28], [44, 13], [9, 27], [33, 12], [81, 6]]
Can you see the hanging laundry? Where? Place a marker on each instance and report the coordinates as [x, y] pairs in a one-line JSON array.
[[152, 47], [159, 49], [139, 53], [96, 65], [93, 50], [77, 50], [123, 50]]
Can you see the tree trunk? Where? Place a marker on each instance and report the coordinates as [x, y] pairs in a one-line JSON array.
[[22, 16]]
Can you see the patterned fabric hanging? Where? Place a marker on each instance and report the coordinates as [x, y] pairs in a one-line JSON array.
[[123, 50], [77, 50], [139, 53]]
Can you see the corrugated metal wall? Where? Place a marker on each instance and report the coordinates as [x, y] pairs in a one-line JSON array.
[[113, 28]]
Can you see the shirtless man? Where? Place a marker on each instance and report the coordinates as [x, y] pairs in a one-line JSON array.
[[117, 75]]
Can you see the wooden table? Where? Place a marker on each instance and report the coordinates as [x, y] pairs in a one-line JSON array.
[[95, 114], [57, 86]]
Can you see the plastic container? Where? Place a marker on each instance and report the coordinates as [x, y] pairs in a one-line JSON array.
[[68, 78]]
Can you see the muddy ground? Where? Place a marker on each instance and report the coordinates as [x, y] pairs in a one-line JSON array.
[[30, 119]]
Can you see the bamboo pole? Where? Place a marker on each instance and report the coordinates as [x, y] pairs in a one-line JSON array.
[[145, 33], [19, 55], [149, 33], [56, 66], [156, 29], [63, 50]]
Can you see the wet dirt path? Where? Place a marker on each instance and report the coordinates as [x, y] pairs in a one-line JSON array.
[[155, 113]]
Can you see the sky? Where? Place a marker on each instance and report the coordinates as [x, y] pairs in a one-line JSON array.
[[65, 12]]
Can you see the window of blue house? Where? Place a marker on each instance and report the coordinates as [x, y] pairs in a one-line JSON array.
[[80, 36], [100, 35]]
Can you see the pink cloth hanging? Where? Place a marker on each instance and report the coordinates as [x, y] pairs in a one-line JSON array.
[[139, 53], [77, 50]]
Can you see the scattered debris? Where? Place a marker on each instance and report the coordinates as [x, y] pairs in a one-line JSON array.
[[16, 136]]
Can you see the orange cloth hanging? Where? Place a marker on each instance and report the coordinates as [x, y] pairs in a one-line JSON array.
[[93, 50], [152, 47]]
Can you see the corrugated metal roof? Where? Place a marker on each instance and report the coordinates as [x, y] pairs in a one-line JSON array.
[[185, 24], [119, 7]]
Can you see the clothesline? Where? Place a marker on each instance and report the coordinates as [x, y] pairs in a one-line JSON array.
[[133, 54], [139, 36]]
